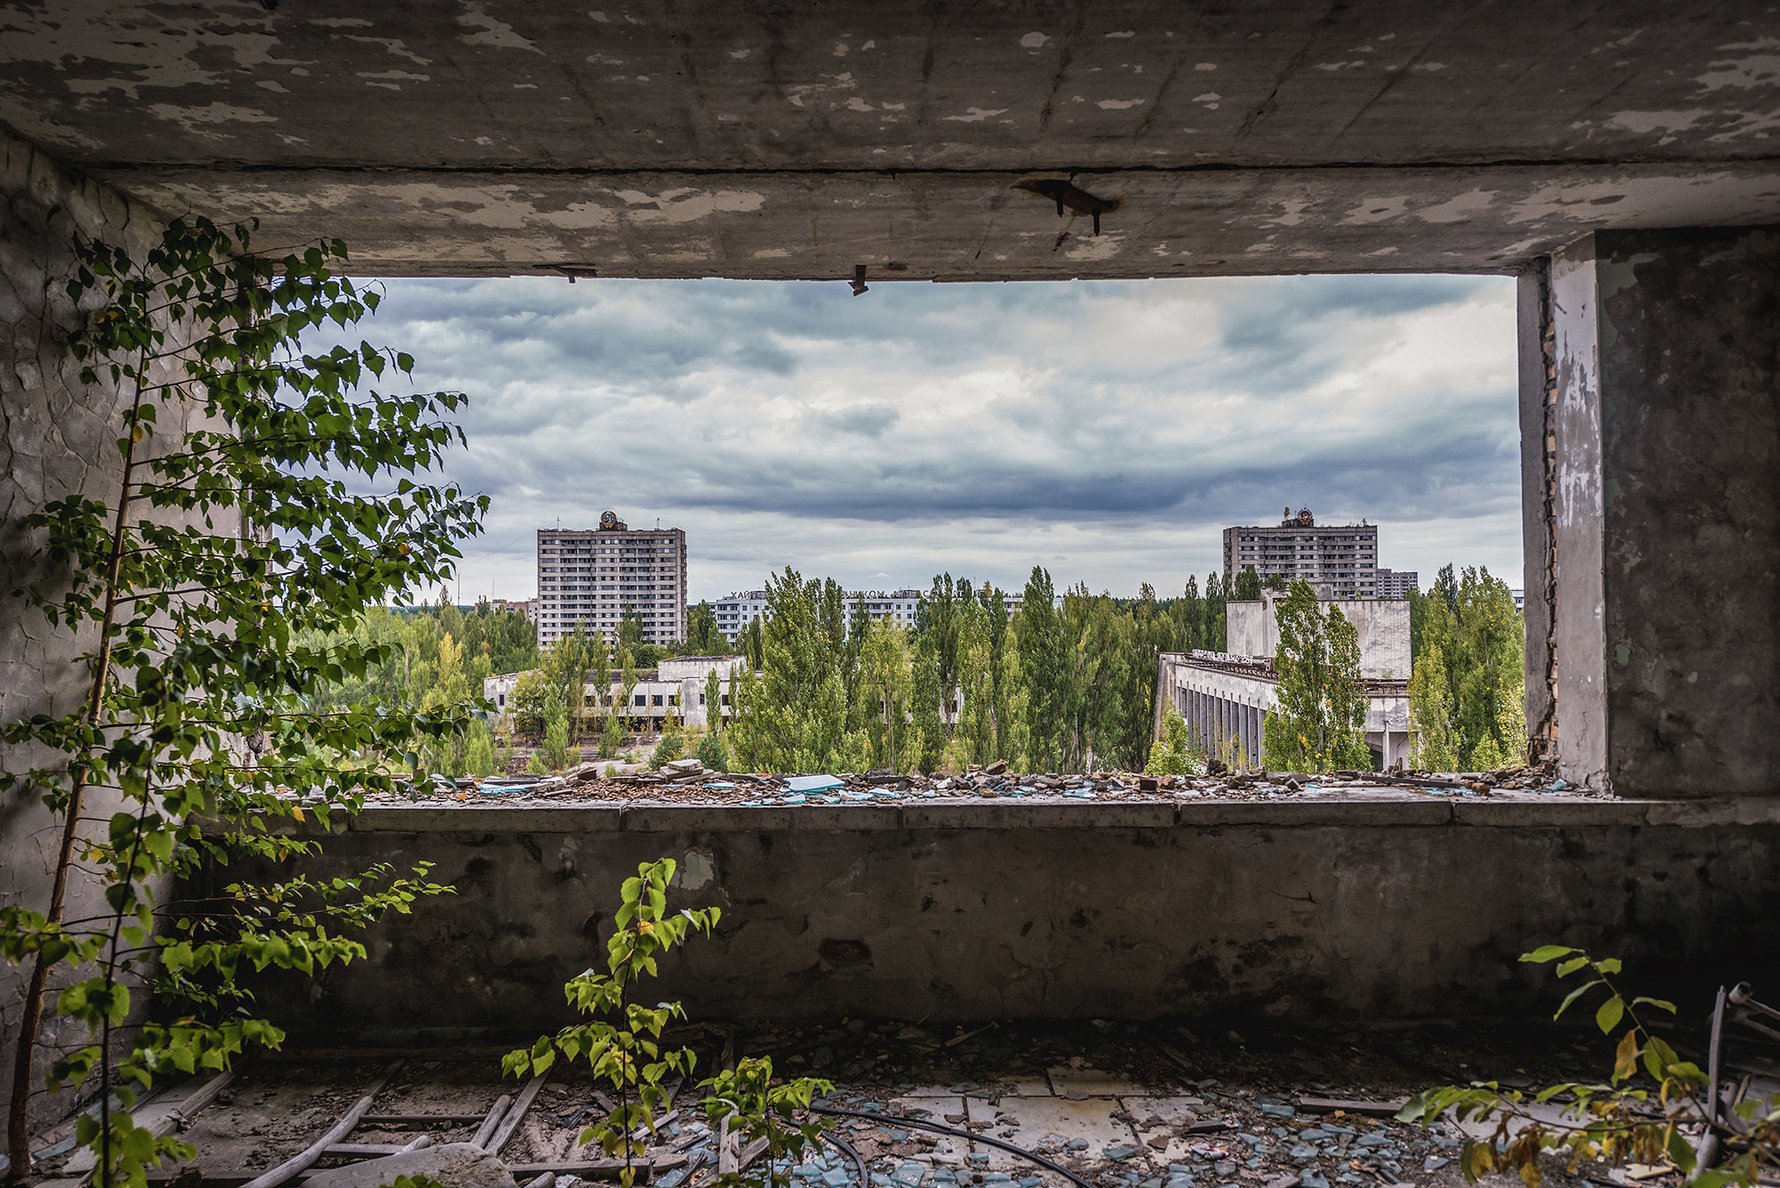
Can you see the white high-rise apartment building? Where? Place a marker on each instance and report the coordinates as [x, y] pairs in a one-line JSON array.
[[1342, 556], [591, 577]]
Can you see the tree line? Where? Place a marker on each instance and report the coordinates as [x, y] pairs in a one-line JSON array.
[[1060, 684]]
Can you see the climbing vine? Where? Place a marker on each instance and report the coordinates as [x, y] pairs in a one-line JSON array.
[[264, 497]]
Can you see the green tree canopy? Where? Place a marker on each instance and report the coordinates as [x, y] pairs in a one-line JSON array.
[[1467, 699], [1319, 720], [702, 636]]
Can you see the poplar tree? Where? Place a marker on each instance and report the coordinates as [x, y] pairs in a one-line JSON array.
[[1043, 661], [1215, 635], [1319, 719], [886, 687], [1467, 698], [1436, 745], [791, 709], [702, 636]]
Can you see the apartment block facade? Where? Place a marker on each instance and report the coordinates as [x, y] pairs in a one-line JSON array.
[[899, 607], [1344, 557], [591, 577], [1397, 583]]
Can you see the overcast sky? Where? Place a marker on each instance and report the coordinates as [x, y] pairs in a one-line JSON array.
[[1106, 430]]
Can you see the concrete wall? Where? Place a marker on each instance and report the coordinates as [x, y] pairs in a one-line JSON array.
[[1252, 629], [1665, 507], [1307, 909], [58, 440], [1535, 339]]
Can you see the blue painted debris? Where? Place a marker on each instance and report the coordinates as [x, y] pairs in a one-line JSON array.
[[910, 1174], [813, 783]]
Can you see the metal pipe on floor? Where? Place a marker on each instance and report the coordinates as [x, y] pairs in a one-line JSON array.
[[956, 1132]]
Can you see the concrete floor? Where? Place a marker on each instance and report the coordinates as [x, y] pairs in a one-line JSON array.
[[1123, 1106]]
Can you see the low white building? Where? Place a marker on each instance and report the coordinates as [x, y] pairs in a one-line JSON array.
[[678, 687], [1225, 700]]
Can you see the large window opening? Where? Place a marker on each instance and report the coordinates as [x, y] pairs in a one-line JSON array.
[[1172, 455]]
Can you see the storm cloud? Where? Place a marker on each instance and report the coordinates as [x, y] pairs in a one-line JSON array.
[[1106, 430]]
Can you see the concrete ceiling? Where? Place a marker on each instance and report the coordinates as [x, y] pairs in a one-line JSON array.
[[799, 139]]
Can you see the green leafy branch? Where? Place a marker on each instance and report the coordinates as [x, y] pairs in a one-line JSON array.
[[234, 538], [1648, 1110], [622, 1041], [760, 1109]]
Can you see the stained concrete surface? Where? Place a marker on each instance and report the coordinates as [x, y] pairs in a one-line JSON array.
[[1320, 909], [1667, 431], [789, 140]]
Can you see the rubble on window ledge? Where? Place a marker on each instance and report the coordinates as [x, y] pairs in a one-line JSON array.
[[687, 781]]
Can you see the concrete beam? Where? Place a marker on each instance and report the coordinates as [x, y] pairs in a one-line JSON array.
[[797, 141], [972, 224]]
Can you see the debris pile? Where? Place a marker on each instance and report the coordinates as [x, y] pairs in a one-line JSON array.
[[689, 781]]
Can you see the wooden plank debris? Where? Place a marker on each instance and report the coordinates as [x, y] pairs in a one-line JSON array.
[[496, 1112], [595, 1169], [361, 1150], [510, 1123], [290, 1168]]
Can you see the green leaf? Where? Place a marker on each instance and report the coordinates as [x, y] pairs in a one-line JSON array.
[[1573, 996], [1609, 1014], [1545, 953]]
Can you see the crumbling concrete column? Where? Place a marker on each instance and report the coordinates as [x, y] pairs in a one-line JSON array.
[[1653, 458]]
